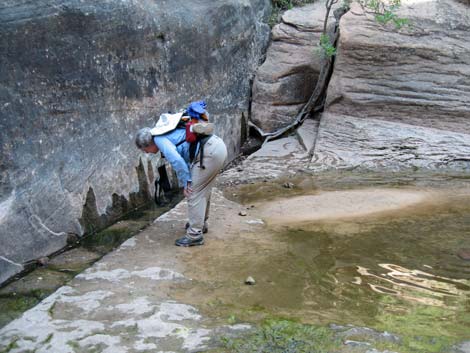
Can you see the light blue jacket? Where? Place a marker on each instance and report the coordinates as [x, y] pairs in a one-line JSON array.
[[178, 156]]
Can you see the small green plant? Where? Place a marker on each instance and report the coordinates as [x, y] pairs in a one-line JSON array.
[[346, 4], [400, 22], [289, 4], [285, 4], [232, 319], [385, 11], [326, 47], [48, 338]]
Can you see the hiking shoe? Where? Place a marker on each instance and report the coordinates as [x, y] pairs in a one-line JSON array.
[[203, 128], [187, 241], [204, 228]]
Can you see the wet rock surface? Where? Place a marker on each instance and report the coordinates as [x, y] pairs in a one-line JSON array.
[[151, 295], [74, 260], [121, 303], [24, 293], [324, 205], [46, 280], [347, 333], [28, 290]]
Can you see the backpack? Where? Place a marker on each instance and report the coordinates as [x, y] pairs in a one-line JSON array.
[[195, 113]]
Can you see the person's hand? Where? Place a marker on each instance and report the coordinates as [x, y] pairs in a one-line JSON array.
[[188, 190]]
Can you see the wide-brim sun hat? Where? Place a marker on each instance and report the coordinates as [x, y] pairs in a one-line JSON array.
[[166, 123]]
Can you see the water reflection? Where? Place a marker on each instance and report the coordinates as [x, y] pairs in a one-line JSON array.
[[380, 270], [414, 285]]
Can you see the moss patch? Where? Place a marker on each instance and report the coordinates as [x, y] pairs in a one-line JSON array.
[[279, 336], [11, 308], [107, 240], [10, 346], [425, 329]]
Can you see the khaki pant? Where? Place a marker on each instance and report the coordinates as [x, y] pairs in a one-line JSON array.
[[203, 179]]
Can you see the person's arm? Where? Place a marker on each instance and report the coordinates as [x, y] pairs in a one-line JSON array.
[[175, 159]]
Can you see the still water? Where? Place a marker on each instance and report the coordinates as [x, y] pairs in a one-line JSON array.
[[397, 271]]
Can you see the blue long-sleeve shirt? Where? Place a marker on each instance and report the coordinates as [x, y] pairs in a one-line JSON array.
[[178, 156]]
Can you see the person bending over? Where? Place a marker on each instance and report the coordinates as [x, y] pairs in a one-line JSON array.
[[196, 165]]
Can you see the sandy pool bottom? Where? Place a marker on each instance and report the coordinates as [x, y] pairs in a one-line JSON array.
[[330, 205]]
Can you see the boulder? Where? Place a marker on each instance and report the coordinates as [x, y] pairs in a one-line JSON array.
[[285, 81], [79, 78], [398, 98]]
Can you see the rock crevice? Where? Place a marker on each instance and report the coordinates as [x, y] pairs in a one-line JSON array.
[[398, 97]]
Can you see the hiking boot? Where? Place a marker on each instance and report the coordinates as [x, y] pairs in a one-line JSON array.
[[187, 241], [204, 228], [203, 128]]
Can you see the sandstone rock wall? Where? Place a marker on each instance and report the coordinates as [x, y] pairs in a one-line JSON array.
[[285, 81], [78, 78], [399, 98]]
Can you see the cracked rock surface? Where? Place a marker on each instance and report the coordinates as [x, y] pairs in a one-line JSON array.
[[398, 98], [122, 303]]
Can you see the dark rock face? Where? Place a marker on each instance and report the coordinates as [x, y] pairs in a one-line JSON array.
[[78, 78]]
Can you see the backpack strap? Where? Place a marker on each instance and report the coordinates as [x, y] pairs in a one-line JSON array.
[[180, 143], [202, 141], [176, 145]]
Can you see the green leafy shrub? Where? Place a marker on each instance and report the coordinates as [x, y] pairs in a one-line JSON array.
[[288, 4], [384, 11], [326, 47]]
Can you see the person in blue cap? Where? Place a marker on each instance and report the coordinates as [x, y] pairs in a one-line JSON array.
[[196, 164]]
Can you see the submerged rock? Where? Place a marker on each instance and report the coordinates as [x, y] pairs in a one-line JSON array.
[[250, 280], [367, 333], [463, 347], [43, 261], [74, 260], [41, 280], [464, 254], [352, 343]]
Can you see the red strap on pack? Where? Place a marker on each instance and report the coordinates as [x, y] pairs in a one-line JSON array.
[[190, 136]]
